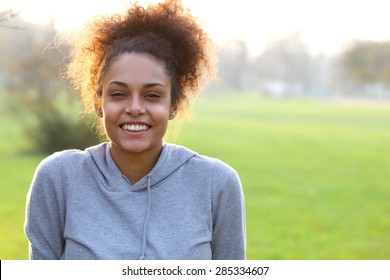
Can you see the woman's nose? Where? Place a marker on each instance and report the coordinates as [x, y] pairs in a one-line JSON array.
[[135, 106]]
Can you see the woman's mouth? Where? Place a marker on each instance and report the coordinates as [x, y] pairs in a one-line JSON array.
[[135, 127]]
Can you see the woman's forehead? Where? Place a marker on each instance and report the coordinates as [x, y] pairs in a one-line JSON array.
[[133, 68]]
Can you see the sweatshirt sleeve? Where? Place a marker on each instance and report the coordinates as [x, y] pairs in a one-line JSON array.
[[45, 212], [228, 211]]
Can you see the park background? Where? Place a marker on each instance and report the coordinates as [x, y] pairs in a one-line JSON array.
[[302, 113]]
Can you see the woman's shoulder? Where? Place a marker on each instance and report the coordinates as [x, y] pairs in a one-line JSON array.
[[211, 165], [216, 164], [224, 178], [70, 157]]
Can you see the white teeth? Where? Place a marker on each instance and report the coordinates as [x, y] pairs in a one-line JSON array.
[[135, 127]]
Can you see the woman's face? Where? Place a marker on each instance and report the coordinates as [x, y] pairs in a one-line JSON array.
[[136, 103]]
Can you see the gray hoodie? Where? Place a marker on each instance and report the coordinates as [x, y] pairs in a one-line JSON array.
[[80, 206]]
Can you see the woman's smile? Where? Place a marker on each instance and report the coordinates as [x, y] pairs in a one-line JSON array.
[[135, 127]]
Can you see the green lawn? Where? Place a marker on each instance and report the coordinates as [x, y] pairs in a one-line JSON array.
[[16, 171], [316, 176]]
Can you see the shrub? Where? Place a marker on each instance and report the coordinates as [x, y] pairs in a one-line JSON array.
[[55, 124]]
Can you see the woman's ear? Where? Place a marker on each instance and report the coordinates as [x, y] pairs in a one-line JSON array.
[[98, 107], [98, 111], [173, 111]]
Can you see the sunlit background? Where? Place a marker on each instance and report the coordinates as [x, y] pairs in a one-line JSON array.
[[301, 110], [326, 26]]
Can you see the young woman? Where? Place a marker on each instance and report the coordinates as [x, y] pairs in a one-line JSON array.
[[136, 197]]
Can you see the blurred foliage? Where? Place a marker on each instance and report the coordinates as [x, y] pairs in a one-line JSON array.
[[288, 59], [31, 64], [368, 62], [32, 59], [233, 63], [58, 126], [287, 67]]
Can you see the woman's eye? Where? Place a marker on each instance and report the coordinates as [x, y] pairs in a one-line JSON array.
[[118, 94], [152, 95]]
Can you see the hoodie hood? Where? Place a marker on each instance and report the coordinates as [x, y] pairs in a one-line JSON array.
[[172, 157]]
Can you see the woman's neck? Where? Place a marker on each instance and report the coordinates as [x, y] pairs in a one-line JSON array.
[[135, 166]]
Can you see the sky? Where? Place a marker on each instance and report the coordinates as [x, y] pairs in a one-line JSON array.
[[326, 26]]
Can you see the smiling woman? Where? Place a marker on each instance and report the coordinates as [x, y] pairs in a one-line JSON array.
[[136, 106], [136, 197]]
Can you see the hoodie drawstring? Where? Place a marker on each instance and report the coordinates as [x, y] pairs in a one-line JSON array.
[[146, 223]]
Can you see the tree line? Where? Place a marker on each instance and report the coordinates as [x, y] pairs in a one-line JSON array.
[[286, 67]]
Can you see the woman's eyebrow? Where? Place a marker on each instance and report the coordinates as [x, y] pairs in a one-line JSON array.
[[117, 83], [148, 85]]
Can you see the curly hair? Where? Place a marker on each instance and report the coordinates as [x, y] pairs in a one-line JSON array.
[[165, 30]]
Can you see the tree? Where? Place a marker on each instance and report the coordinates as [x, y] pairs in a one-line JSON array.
[[288, 61], [31, 63], [368, 62], [233, 64]]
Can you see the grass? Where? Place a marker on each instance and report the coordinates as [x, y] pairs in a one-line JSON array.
[[16, 171], [315, 175]]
